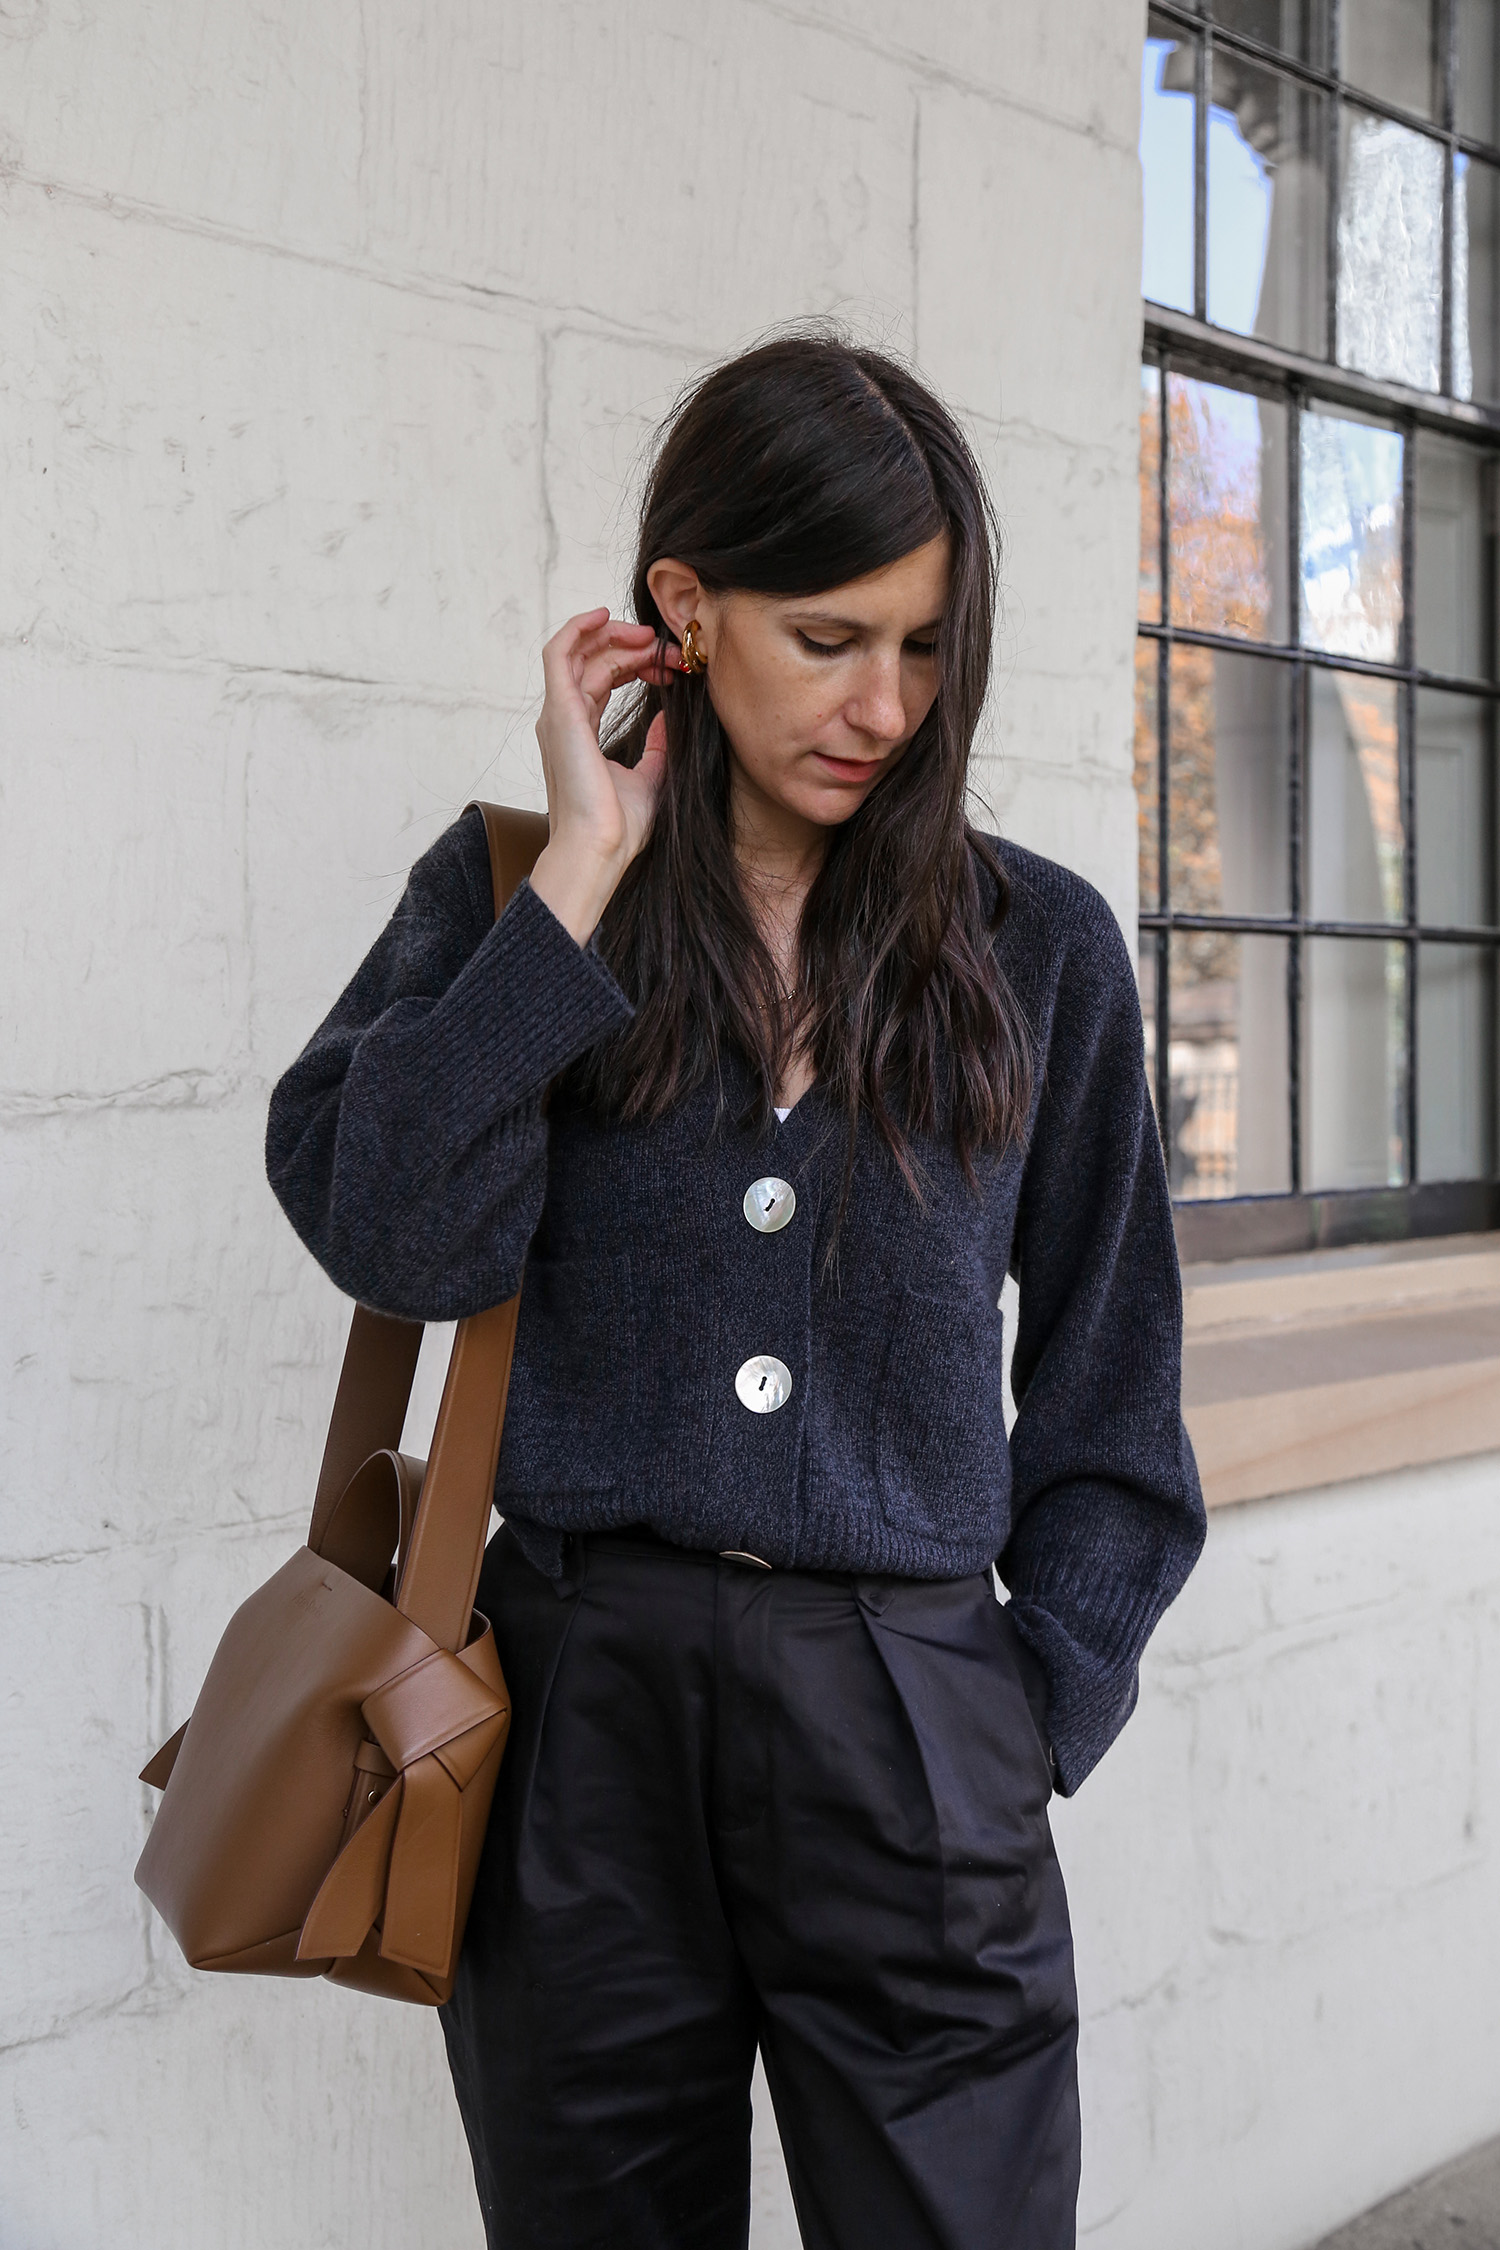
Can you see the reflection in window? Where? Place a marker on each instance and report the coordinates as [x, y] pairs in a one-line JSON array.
[[1355, 834], [1455, 811], [1476, 296], [1452, 631], [1226, 463], [1150, 476], [1456, 1062], [1265, 149], [1351, 537], [1476, 111], [1167, 167], [1353, 1063], [1147, 739], [1389, 50], [1228, 1065], [1267, 196], [1294, 27], [1390, 238], [1227, 812]]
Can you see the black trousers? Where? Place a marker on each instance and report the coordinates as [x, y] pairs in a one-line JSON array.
[[745, 1807]]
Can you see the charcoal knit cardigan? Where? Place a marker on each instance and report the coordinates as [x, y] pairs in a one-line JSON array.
[[427, 1145]]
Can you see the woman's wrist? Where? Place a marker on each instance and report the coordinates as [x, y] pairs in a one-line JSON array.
[[576, 882]]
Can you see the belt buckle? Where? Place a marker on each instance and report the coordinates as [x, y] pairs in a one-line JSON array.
[[743, 1554]]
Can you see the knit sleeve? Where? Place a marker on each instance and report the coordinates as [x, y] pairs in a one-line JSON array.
[[407, 1143], [1107, 1512]]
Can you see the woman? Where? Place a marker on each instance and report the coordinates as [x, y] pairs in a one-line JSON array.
[[766, 1079]]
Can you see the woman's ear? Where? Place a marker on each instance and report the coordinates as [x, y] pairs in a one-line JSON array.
[[675, 591]]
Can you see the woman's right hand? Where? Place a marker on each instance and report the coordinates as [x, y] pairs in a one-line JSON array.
[[599, 813]]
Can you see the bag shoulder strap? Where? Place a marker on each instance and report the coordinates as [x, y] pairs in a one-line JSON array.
[[443, 1561], [515, 841]]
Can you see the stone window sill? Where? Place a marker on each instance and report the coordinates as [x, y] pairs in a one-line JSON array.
[[1304, 1371]]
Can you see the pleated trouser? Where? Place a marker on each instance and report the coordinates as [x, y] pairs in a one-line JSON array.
[[743, 1807]]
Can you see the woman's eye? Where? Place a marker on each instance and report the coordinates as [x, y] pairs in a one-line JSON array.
[[922, 648], [822, 648]]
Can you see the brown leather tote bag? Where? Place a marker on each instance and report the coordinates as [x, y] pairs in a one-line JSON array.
[[325, 1804]]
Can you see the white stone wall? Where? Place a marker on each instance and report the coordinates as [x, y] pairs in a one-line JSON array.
[[1284, 1876], [332, 337]]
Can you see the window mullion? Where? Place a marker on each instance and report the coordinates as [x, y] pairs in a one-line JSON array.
[[1163, 940], [1406, 771], [1202, 81], [1297, 752], [1331, 215], [1447, 11]]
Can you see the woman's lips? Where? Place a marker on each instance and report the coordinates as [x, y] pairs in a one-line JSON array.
[[847, 769]]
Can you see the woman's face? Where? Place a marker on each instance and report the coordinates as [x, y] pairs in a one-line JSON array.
[[820, 696]]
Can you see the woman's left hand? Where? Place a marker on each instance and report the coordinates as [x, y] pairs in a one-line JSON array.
[[600, 813]]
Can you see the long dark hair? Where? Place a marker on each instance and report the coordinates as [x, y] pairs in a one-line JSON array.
[[794, 468]]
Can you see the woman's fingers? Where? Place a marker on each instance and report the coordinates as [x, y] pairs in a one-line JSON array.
[[592, 627], [588, 643], [617, 665], [655, 745], [558, 651], [639, 786], [564, 656], [588, 637]]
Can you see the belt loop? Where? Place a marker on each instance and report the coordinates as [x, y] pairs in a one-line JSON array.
[[575, 1564]]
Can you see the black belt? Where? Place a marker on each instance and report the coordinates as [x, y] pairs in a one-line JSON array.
[[641, 1535]]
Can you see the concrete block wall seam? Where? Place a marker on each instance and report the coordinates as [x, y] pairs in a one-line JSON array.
[[351, 237], [414, 282], [962, 75]]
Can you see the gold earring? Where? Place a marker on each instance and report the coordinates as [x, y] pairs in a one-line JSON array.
[[693, 658]]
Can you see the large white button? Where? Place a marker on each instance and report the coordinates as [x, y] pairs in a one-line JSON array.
[[769, 1204], [763, 1384]]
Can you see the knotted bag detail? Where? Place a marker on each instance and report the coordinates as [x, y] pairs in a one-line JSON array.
[[436, 1723]]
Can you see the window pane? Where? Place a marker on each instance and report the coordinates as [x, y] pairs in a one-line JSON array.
[[1456, 1062], [1227, 813], [1390, 49], [1476, 110], [1390, 248], [1353, 1063], [1351, 537], [1267, 200], [1452, 631], [1354, 835], [1228, 1065], [1146, 668], [1296, 27], [1150, 571], [1455, 811], [1226, 473], [1476, 297], [1146, 978], [1167, 166]]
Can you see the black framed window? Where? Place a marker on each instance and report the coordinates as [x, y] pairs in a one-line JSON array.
[[1316, 676]]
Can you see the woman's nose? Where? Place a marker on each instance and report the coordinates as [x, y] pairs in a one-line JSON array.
[[879, 709]]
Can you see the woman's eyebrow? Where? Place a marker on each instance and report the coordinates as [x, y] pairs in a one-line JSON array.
[[855, 624]]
